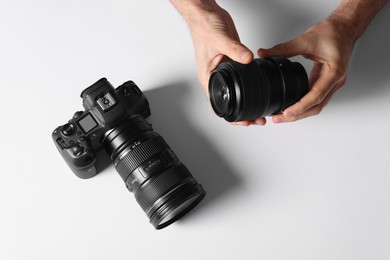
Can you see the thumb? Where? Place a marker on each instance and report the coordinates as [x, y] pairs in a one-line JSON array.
[[287, 49], [236, 51]]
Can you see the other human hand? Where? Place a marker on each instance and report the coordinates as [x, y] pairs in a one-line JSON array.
[[216, 39], [329, 45]]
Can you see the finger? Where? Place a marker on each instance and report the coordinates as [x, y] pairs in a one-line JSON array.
[[203, 77], [235, 51], [284, 119], [315, 110], [291, 48], [242, 123], [319, 91], [260, 121]]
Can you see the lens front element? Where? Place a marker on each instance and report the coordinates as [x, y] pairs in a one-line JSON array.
[[220, 94]]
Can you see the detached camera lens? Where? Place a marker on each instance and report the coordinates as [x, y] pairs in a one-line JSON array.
[[264, 87]]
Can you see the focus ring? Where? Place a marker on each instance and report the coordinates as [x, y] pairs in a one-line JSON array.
[[156, 187], [130, 159], [255, 92]]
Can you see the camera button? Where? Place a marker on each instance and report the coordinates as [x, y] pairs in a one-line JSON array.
[[68, 129], [77, 114], [106, 101], [77, 150], [61, 142]]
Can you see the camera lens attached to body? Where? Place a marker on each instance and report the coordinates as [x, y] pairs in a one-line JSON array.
[[162, 185], [264, 87]]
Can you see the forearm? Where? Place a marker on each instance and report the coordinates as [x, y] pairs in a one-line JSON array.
[[358, 13], [193, 9]]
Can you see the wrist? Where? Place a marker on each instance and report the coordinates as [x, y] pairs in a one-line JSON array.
[[345, 26], [356, 15]]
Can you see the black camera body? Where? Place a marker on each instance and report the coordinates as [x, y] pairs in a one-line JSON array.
[[105, 107], [114, 119]]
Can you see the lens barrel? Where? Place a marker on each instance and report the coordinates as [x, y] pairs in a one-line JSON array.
[[162, 185], [264, 87]]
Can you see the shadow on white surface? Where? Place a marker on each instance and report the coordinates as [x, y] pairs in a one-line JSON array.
[[268, 23], [369, 67], [168, 105], [283, 21]]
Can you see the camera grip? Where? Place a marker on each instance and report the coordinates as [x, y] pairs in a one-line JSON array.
[[80, 159]]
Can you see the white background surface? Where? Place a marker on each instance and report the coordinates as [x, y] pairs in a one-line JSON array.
[[314, 189]]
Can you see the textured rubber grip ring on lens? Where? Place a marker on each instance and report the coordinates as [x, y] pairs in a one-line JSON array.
[[254, 92], [158, 186], [134, 158]]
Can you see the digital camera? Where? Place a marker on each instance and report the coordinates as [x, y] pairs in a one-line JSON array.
[[114, 120]]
